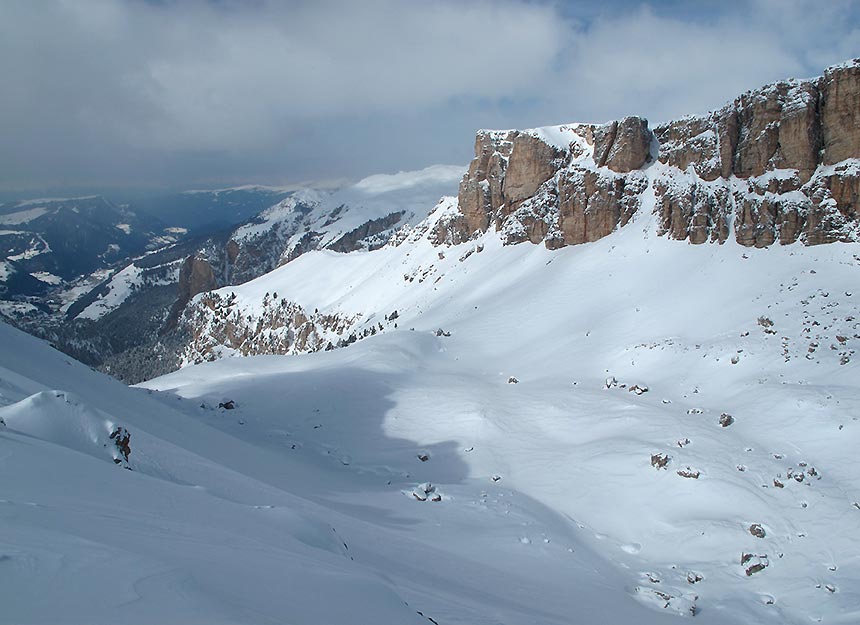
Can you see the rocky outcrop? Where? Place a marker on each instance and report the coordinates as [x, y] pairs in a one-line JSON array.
[[480, 193], [195, 276], [370, 235], [840, 112], [780, 163], [217, 324], [623, 146], [531, 163], [592, 203]]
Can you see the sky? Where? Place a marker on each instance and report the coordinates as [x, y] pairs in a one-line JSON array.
[[195, 93]]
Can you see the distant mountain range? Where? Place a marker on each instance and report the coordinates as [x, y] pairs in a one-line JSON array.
[[105, 313]]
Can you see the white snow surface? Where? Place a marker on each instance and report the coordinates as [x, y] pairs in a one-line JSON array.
[[119, 287], [768, 336], [47, 277], [22, 217], [498, 472]]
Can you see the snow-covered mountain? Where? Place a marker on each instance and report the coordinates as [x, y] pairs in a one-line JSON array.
[[598, 446], [618, 371], [547, 401], [361, 216], [51, 242], [744, 173], [204, 210]]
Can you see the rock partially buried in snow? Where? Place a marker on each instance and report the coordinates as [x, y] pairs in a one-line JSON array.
[[757, 530], [726, 420], [426, 491], [689, 472], [757, 563], [659, 461]]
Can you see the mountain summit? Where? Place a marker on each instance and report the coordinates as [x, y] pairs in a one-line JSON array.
[[778, 163]]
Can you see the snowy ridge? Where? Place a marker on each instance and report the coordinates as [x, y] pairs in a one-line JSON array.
[[335, 214], [361, 216]]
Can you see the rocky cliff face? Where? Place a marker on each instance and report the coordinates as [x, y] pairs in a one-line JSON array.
[[777, 164], [220, 323], [780, 164]]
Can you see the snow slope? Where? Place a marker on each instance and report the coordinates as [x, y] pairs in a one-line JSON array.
[[215, 525], [497, 369], [634, 430]]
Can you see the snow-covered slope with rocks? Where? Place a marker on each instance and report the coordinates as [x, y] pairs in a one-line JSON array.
[[731, 460], [619, 425], [575, 441]]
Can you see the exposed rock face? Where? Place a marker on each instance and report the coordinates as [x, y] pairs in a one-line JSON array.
[[780, 163], [217, 322], [592, 203], [532, 162], [623, 146], [353, 239], [840, 112], [195, 276], [480, 192]]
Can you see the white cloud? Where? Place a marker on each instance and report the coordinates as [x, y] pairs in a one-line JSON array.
[[202, 90], [202, 76], [660, 66]]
